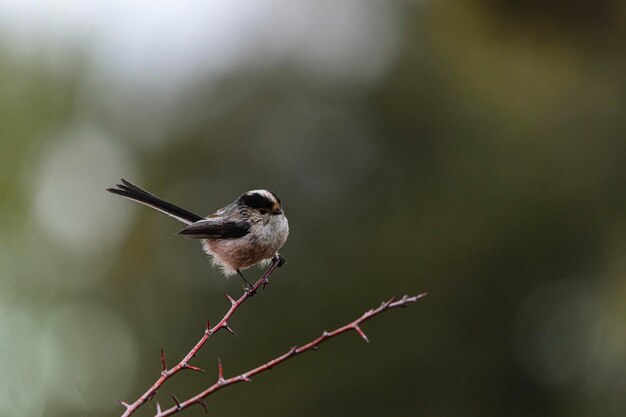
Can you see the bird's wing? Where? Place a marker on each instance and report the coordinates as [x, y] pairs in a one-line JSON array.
[[216, 228]]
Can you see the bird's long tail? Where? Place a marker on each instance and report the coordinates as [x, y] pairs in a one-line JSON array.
[[131, 191]]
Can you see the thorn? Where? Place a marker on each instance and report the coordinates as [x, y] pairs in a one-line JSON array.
[[163, 365], [325, 334], [315, 348], [227, 327], [193, 368], [220, 371], [361, 333], [231, 299], [124, 404], [244, 378], [385, 304], [152, 395], [158, 408], [208, 327], [293, 350], [178, 406], [203, 404]]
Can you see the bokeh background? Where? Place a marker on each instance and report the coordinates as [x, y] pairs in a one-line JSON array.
[[473, 149]]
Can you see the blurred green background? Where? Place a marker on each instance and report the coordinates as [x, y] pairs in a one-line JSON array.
[[473, 149]]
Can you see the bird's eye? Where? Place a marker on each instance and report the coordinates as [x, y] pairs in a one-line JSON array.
[[263, 211]]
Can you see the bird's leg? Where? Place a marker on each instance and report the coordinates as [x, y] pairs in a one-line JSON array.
[[277, 261], [248, 286]]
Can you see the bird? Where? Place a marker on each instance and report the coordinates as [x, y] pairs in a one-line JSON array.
[[247, 232]]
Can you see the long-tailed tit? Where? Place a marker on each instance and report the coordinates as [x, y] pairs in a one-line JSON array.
[[247, 232]]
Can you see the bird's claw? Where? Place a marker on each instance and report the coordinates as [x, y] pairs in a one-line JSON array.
[[280, 260], [249, 289]]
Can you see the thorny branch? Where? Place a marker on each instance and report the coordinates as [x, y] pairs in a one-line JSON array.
[[312, 345], [209, 331]]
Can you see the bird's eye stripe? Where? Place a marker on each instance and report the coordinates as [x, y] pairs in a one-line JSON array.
[[257, 201]]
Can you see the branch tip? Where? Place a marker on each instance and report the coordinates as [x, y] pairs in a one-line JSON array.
[[158, 408]]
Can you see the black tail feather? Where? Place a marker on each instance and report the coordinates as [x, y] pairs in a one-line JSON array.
[[131, 191]]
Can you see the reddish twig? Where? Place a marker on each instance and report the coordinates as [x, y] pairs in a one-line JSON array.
[[312, 345], [209, 331]]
